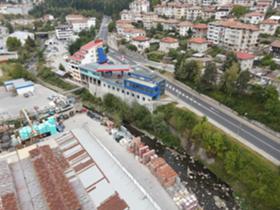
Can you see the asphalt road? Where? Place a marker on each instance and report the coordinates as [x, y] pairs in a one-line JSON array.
[[254, 136], [103, 30], [251, 135]]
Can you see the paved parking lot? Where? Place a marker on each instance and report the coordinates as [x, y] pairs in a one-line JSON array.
[[10, 105]]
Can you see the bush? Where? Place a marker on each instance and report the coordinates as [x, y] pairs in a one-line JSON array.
[[155, 56], [132, 47]]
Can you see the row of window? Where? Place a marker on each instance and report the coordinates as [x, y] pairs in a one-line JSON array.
[[125, 92]]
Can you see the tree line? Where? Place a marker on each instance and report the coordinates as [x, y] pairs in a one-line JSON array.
[[252, 178], [232, 87]]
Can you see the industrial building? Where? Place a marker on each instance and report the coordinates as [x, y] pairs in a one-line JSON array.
[[20, 86], [122, 82], [67, 173]]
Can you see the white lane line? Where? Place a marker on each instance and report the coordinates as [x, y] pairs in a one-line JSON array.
[[245, 131]]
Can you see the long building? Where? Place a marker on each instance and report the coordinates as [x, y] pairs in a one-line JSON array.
[[91, 52], [119, 80], [233, 35]]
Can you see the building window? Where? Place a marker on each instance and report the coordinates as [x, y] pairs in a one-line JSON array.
[[104, 85], [143, 99], [118, 89], [138, 96], [109, 86], [127, 93], [132, 94], [113, 88], [122, 91]]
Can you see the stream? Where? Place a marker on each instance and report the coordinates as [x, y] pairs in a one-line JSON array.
[[196, 177]]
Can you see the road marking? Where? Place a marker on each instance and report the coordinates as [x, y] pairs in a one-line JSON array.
[[240, 128]]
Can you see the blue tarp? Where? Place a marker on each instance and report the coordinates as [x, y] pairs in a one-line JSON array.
[[102, 58]]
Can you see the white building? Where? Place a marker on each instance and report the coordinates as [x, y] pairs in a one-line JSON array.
[[141, 42], [222, 13], [184, 28], [140, 6], [20, 86], [168, 43], [22, 36], [64, 32], [87, 54], [130, 33], [246, 60], [198, 44], [79, 22], [193, 13], [233, 35], [269, 26], [253, 18]]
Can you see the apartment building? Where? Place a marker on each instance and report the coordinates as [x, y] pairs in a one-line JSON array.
[[130, 33], [64, 32], [269, 26], [193, 13], [233, 35], [200, 30], [140, 6], [172, 10], [254, 18], [90, 52], [79, 22]]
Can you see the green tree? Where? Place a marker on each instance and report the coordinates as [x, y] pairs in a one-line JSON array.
[[239, 10], [190, 33], [159, 27], [208, 79], [132, 47], [30, 44], [242, 81], [188, 71], [230, 161], [112, 26], [230, 78], [13, 44], [61, 67], [230, 59]]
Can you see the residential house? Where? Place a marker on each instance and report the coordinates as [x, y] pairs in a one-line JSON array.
[[200, 30], [269, 26], [198, 44], [233, 35], [254, 17], [275, 48], [168, 43], [79, 22], [246, 60], [130, 33], [184, 28], [141, 42]]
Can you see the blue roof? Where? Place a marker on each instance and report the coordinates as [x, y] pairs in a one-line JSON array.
[[11, 82], [102, 58], [24, 84]]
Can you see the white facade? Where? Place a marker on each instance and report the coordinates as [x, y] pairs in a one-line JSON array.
[[24, 90], [269, 26], [184, 28], [221, 14], [233, 35], [86, 54], [246, 60], [125, 94], [198, 45], [79, 22], [141, 43], [254, 18], [140, 6], [133, 32], [64, 32], [167, 44]]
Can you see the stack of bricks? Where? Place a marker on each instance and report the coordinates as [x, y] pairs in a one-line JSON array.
[[185, 200], [135, 145], [57, 190], [8, 199], [166, 175]]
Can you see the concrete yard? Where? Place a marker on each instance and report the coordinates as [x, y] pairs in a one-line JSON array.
[[139, 173], [10, 105]]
